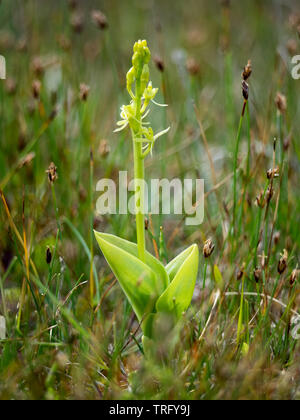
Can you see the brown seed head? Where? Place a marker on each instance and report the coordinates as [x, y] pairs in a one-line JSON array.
[[245, 90], [208, 248], [294, 276], [294, 20], [292, 47], [281, 103], [247, 71], [193, 67], [241, 272], [263, 258], [104, 148], [21, 45], [260, 200], [36, 88], [52, 173], [48, 256], [72, 4], [77, 22], [287, 142], [257, 274], [282, 264], [146, 223], [99, 19], [159, 63], [84, 91], [64, 42], [37, 66], [269, 193], [273, 173], [276, 238], [11, 86]]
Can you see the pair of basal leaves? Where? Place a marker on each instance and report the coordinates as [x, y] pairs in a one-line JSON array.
[[151, 288]]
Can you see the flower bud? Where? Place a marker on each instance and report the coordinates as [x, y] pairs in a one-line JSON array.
[[145, 77], [140, 57]]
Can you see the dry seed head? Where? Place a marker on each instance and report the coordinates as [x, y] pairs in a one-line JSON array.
[[11, 86], [269, 193], [193, 67], [77, 22], [257, 274], [159, 63], [294, 20], [99, 19], [292, 47], [48, 256], [282, 264], [287, 142], [104, 148], [52, 173], [247, 71], [53, 113], [294, 276], [21, 45], [273, 173], [7, 40], [276, 238], [241, 272], [84, 91], [281, 103], [260, 200], [146, 223], [245, 89], [38, 66], [36, 88], [263, 260], [72, 4], [208, 248], [64, 42], [226, 3]]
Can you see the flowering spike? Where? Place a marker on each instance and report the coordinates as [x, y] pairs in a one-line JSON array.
[[141, 91]]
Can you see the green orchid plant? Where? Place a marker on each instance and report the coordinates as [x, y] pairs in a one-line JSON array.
[[153, 290]]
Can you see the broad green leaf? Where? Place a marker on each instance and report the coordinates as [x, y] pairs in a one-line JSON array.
[[132, 249], [173, 267], [177, 297], [142, 282], [147, 325]]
